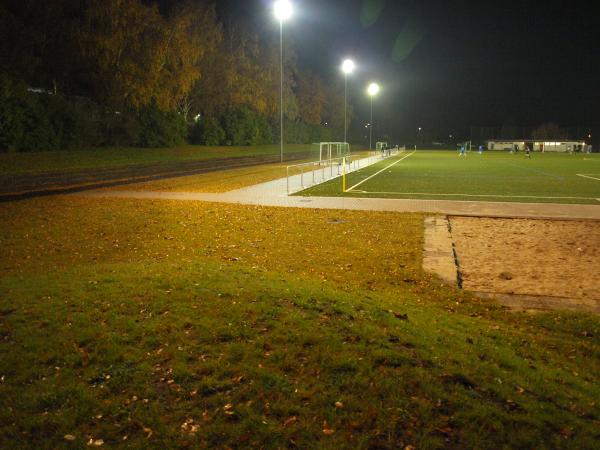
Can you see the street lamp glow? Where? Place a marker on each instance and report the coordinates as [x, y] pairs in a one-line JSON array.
[[348, 66], [283, 10], [373, 89]]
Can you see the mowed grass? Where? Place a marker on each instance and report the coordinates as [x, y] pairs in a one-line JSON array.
[[63, 161], [146, 324], [492, 176]]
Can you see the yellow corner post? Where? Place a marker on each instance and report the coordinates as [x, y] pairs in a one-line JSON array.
[[344, 174]]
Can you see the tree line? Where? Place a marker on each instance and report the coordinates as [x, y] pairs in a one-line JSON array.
[[77, 73]]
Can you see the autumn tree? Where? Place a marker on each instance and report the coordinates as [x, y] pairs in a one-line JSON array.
[[311, 96], [136, 55], [244, 72], [191, 32], [119, 40]]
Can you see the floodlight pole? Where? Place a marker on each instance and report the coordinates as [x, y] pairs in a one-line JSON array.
[[371, 127], [345, 107], [281, 92]]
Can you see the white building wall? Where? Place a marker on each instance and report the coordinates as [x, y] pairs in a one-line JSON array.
[[547, 146]]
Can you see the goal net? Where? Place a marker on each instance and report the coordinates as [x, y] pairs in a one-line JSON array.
[[380, 146], [466, 145], [331, 150]]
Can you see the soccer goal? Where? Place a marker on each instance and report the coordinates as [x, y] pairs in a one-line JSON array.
[[466, 144], [331, 150], [380, 146]]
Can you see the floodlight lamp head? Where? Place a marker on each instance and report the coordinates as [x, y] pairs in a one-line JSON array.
[[283, 10], [373, 89], [348, 66]]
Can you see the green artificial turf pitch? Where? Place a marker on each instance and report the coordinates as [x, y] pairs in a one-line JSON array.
[[491, 176]]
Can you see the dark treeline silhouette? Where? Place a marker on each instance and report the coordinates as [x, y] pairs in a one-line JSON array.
[[82, 73]]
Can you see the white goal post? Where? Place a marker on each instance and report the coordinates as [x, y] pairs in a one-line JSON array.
[[466, 144], [379, 146], [331, 150]]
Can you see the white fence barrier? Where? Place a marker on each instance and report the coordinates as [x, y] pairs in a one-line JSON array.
[[305, 175]]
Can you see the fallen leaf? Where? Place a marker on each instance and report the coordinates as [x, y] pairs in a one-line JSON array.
[[445, 430], [566, 433], [291, 421]]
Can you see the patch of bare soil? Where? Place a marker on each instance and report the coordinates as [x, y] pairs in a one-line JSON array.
[[529, 257]]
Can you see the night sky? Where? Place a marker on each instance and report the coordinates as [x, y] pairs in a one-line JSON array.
[[447, 66]]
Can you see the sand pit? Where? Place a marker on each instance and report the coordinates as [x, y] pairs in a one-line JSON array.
[[547, 258]]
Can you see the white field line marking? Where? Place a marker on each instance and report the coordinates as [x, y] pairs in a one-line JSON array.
[[475, 195], [590, 177], [382, 170]]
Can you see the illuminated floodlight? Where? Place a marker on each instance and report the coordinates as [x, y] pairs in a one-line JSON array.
[[348, 66], [373, 89], [283, 10]]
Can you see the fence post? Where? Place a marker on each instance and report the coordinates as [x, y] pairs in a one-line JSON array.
[[344, 174]]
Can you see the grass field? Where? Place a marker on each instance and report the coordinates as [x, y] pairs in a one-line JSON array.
[[493, 176], [163, 324], [62, 161]]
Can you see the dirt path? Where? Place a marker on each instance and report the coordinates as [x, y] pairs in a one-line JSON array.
[[537, 258]]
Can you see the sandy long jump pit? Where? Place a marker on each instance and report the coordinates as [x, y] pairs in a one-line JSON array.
[[530, 264]]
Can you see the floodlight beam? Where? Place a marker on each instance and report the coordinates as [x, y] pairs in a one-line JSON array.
[[348, 66], [283, 10], [373, 89]]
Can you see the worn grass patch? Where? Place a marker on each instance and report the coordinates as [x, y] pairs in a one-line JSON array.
[[142, 324]]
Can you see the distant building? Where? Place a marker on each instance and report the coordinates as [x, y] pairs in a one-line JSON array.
[[538, 146]]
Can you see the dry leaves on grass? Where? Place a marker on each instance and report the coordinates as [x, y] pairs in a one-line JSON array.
[[370, 249]]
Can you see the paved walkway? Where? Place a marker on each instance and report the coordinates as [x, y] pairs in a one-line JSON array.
[[274, 193]]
